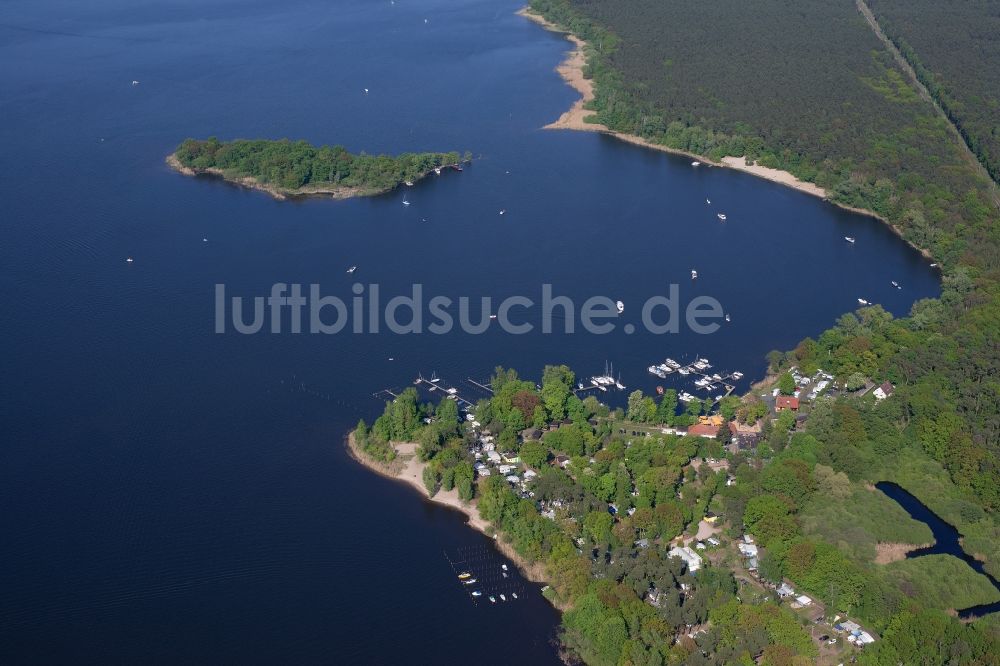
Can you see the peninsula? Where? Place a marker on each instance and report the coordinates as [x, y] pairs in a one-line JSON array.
[[286, 168], [701, 534]]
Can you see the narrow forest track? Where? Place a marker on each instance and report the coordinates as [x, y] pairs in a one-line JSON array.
[[925, 94]]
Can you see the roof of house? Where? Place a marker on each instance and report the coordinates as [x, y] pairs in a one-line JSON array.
[[786, 402], [887, 388], [703, 430]]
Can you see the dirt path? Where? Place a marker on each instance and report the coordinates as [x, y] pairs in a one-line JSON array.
[[904, 64]]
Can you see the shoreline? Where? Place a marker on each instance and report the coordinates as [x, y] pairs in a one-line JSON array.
[[408, 469], [571, 71], [887, 552], [280, 193]]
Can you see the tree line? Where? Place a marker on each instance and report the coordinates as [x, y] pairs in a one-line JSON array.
[[294, 165]]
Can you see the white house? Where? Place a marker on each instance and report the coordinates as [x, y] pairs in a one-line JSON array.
[[691, 558], [883, 391]]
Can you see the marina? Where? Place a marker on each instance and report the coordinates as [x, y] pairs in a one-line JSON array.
[[700, 367]]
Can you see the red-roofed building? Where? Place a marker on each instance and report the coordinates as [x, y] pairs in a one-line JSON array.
[[783, 402], [703, 430]]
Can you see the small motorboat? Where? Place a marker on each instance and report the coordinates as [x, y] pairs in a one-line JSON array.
[[620, 306], [493, 599], [366, 91], [504, 567], [708, 201], [129, 260], [503, 598], [694, 275], [405, 202], [896, 285], [696, 163], [134, 82], [464, 574], [514, 594], [659, 390], [503, 210], [505, 573], [477, 593], [727, 316], [493, 316], [408, 183], [722, 216], [352, 269], [849, 239], [469, 582], [862, 301]]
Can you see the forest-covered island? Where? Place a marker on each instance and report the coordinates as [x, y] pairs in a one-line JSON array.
[[295, 168]]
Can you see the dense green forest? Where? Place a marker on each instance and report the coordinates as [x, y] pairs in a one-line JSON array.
[[298, 166], [603, 522], [804, 86], [954, 47]]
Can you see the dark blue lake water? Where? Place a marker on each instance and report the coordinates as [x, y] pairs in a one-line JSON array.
[[172, 495]]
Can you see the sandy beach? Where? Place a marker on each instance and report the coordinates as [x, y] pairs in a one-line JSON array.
[[886, 553], [571, 70], [408, 469]]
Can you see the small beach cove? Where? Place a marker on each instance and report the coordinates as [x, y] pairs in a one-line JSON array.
[[408, 468]]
